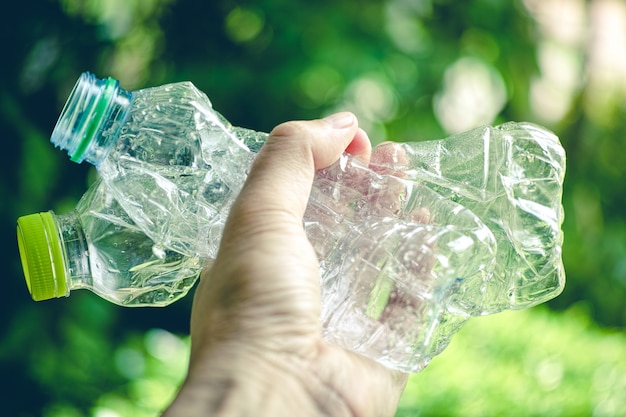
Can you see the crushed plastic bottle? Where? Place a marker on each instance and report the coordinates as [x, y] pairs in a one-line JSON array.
[[410, 247], [510, 177], [97, 247], [173, 163]]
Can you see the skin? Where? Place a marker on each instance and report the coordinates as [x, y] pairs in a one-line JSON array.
[[256, 345]]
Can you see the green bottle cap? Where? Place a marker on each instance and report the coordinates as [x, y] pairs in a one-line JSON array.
[[42, 256]]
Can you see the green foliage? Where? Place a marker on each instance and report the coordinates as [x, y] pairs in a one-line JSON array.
[[150, 366], [410, 70], [524, 363]]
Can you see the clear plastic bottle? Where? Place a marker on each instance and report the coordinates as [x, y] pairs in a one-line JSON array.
[[511, 177], [173, 163], [404, 259], [388, 293], [97, 247]]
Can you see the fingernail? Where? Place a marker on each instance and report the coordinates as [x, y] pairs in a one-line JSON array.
[[340, 120]]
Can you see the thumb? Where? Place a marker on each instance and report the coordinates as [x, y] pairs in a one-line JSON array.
[[278, 186]]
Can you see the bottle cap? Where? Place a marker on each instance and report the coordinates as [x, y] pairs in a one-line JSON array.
[[83, 114], [42, 256]]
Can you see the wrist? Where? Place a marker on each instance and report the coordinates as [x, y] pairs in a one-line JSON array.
[[257, 388]]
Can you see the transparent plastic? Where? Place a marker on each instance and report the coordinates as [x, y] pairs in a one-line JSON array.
[[393, 275], [99, 248], [511, 177], [410, 247], [398, 281]]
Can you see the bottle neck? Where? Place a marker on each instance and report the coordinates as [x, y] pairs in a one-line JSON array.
[[92, 117], [75, 251]]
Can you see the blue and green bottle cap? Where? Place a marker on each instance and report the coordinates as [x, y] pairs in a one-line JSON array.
[[83, 115]]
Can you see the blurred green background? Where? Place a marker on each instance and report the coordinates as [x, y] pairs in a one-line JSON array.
[[410, 70]]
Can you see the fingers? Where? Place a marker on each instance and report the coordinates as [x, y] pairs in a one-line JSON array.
[[360, 147], [389, 158]]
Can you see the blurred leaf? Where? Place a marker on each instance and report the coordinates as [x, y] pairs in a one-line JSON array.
[[524, 363]]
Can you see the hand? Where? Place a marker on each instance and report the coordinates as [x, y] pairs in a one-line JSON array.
[[256, 345]]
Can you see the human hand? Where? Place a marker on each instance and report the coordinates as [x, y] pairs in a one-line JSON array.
[[257, 347]]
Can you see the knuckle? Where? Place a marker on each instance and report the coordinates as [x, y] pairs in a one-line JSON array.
[[289, 130]]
